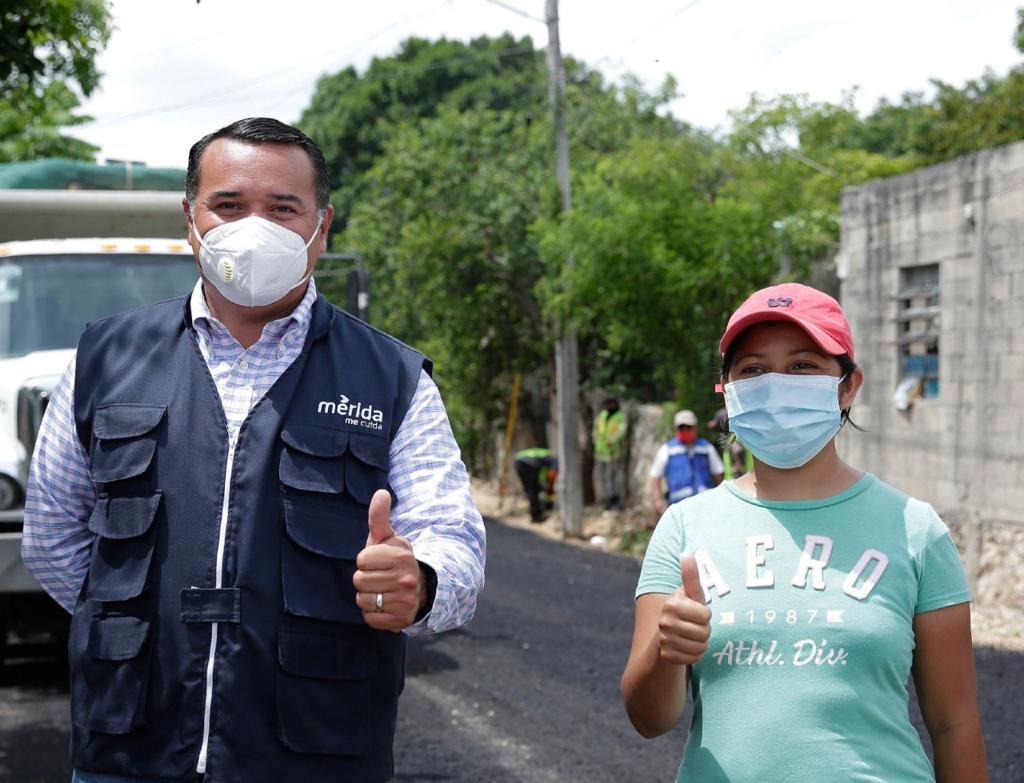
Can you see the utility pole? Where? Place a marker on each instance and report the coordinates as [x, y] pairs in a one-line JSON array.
[[570, 472], [785, 262]]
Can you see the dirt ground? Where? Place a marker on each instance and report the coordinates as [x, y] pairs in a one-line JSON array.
[[626, 532]]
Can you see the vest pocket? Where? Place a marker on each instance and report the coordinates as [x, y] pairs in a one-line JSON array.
[[318, 559], [332, 461], [324, 693], [124, 440], [312, 474], [109, 689], [124, 548], [312, 458], [368, 472]]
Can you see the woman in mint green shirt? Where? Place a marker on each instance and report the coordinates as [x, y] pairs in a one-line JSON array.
[[796, 601]]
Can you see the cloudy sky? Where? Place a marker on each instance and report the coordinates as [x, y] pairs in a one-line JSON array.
[[177, 69]]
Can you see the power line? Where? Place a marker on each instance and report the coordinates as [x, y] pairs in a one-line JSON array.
[[799, 156], [676, 13], [150, 54], [261, 79], [516, 10], [381, 76], [219, 93], [608, 59]]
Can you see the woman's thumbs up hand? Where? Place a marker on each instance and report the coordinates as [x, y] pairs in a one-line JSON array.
[[685, 623]]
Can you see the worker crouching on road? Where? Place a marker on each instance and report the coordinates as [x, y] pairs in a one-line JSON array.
[[537, 469]]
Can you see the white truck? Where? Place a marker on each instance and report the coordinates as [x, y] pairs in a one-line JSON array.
[[66, 258]]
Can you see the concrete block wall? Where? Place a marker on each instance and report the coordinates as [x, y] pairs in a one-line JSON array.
[[964, 450]]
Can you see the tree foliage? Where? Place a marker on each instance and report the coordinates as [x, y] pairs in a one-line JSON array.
[[442, 158], [48, 51], [352, 115], [659, 255], [45, 40], [35, 129], [443, 225], [444, 215]]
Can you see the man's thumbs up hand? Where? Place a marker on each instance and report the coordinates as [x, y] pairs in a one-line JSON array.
[[685, 623], [390, 588], [380, 518]]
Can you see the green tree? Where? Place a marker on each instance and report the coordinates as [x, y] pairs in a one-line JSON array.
[[351, 115], [443, 226], [984, 112], [444, 222], [48, 51], [660, 257], [671, 233], [441, 159], [34, 130], [791, 157], [44, 40]]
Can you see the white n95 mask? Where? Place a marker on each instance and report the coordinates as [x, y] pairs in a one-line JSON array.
[[253, 261]]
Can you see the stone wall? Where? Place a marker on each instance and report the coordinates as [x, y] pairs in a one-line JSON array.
[[650, 426], [962, 449]]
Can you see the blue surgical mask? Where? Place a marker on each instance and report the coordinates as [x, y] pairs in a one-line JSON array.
[[785, 420]]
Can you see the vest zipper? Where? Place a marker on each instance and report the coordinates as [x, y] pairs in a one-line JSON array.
[[225, 502]]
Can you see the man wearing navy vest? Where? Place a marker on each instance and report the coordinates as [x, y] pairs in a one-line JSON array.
[[684, 465], [247, 498]]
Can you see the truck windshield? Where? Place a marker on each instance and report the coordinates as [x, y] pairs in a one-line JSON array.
[[46, 301]]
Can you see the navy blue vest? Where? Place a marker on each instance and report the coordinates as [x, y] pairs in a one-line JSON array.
[[302, 689], [688, 472]]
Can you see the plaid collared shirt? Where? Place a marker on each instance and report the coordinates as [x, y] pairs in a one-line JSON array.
[[433, 507]]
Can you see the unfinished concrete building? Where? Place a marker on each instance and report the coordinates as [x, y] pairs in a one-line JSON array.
[[932, 279]]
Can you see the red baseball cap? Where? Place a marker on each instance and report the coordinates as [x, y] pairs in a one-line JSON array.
[[814, 311]]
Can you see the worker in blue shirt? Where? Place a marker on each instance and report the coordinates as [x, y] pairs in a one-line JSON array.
[[684, 465]]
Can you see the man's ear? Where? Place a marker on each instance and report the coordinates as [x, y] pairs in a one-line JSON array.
[[325, 226], [191, 237], [188, 216]]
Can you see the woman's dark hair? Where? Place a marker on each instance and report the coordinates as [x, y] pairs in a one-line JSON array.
[[261, 130], [846, 364]]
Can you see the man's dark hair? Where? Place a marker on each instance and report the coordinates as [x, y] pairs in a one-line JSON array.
[[261, 130]]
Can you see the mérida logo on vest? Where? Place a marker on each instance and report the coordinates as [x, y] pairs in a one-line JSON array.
[[355, 413]]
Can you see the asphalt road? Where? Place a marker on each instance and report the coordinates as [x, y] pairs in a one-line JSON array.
[[527, 693]]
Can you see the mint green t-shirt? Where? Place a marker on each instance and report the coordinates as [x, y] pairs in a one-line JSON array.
[[805, 676]]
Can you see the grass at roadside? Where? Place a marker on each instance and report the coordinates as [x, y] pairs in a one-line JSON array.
[[634, 542]]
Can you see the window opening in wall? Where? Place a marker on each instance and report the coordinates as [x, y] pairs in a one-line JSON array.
[[917, 334]]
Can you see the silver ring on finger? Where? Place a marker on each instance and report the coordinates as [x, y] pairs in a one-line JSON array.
[[378, 603]]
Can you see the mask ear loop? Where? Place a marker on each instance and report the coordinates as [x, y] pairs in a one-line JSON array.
[[320, 215], [195, 228], [844, 413]]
